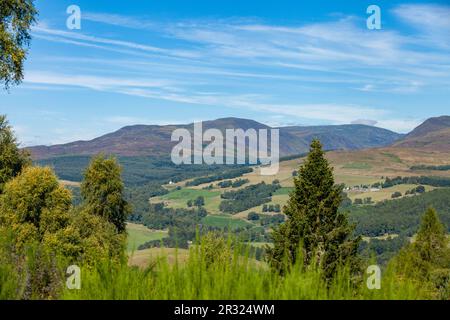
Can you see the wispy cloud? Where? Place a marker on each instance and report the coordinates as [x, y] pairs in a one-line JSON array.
[[64, 36], [198, 62], [432, 21], [91, 82], [119, 20]]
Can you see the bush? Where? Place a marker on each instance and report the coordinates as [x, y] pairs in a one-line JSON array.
[[396, 194], [253, 216]]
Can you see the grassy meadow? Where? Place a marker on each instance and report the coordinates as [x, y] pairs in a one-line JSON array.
[[139, 234]]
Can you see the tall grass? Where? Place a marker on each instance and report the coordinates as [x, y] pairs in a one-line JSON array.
[[212, 272], [240, 277]]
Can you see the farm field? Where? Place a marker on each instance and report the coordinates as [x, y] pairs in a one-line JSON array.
[[142, 258], [386, 194], [222, 221], [352, 168], [179, 198], [139, 234]]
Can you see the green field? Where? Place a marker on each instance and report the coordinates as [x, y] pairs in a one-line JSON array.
[[189, 194], [139, 234], [224, 221], [283, 191], [179, 198]]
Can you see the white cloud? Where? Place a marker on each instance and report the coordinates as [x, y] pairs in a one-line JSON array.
[[91, 82], [366, 122], [119, 20]]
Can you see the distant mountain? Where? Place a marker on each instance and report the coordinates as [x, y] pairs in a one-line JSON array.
[[142, 140], [433, 134], [340, 137]]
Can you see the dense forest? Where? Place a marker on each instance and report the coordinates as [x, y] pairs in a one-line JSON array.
[[400, 216]]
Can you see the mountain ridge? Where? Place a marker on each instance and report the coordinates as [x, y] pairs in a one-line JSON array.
[[141, 140], [433, 134]]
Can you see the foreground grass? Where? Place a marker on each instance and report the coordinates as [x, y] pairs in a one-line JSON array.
[[194, 277]]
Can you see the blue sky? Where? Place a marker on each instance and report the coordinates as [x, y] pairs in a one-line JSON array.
[[278, 62]]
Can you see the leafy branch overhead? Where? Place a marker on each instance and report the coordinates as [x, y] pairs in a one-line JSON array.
[[16, 19]]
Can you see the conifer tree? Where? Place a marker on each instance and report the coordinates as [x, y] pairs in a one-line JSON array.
[[427, 259], [103, 191], [314, 221]]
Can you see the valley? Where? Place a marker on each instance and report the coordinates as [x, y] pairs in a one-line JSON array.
[[362, 169]]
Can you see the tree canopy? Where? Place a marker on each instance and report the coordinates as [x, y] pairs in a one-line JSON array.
[[12, 159], [103, 191], [16, 19], [34, 205]]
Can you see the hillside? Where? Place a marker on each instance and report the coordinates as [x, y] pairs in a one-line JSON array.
[[144, 140], [433, 134]]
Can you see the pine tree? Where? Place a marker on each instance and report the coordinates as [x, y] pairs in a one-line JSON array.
[[12, 160], [431, 241], [103, 191], [427, 259], [314, 221]]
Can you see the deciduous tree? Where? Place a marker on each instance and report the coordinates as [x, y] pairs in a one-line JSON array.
[[12, 160], [103, 191], [34, 205], [16, 19]]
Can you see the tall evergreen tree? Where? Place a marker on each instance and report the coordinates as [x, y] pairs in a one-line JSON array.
[[431, 241], [103, 191], [12, 160], [314, 221], [427, 259]]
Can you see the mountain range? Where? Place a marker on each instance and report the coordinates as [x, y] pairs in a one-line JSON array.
[[145, 140]]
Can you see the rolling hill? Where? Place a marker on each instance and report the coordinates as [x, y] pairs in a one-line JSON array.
[[433, 134], [145, 140]]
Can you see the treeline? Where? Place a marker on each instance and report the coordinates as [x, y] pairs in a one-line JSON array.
[[431, 168], [233, 184], [266, 219], [430, 181], [400, 216], [384, 249], [249, 197], [225, 174], [136, 170], [161, 217]]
